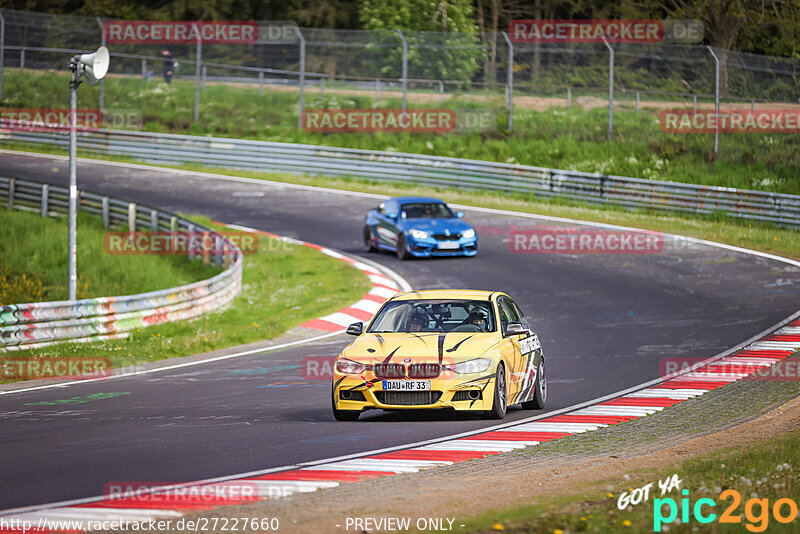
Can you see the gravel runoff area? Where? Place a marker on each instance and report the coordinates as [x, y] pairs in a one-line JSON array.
[[739, 414]]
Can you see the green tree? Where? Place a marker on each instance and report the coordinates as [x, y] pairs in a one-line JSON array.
[[442, 35]]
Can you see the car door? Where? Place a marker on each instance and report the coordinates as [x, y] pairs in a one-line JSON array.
[[510, 351], [530, 351], [386, 222]]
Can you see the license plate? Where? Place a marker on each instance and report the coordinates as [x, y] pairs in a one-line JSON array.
[[406, 385], [448, 245]]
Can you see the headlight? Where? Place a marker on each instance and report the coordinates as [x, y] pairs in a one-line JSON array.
[[477, 365], [418, 234], [469, 234], [349, 367]]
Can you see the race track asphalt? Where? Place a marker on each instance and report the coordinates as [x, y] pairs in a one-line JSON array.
[[606, 321]]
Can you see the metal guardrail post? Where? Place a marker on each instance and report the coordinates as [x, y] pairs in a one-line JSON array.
[[637, 102], [45, 200], [610, 89], [204, 76], [322, 87], [716, 99], [377, 89], [510, 82], [131, 217], [154, 220], [11, 193], [261, 82], [695, 103], [173, 224], [144, 70], [190, 231], [104, 213], [569, 97], [22, 60], [405, 69], [103, 81], [441, 91], [197, 66], [302, 80], [2, 50]]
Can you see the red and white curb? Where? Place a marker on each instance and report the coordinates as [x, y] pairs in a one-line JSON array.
[[383, 287], [653, 397]]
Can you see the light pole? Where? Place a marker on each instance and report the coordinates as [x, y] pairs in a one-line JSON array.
[[93, 67]]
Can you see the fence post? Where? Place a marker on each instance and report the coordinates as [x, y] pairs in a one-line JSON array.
[[510, 82], [322, 87], [610, 88], [45, 200], [716, 99], [105, 213], [695, 103], [441, 91], [205, 73], [405, 69], [637, 102], [569, 97], [173, 224], [11, 187], [261, 82], [103, 81], [2, 49], [377, 89], [154, 220], [197, 66], [302, 81], [144, 70], [22, 60], [190, 240]]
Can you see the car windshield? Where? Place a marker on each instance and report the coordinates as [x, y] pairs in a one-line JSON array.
[[405, 316], [426, 210]]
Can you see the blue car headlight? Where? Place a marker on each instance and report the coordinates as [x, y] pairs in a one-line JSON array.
[[418, 234], [468, 234]]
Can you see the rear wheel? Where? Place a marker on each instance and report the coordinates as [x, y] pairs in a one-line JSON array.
[[539, 390], [402, 249], [342, 415], [369, 245], [499, 407]]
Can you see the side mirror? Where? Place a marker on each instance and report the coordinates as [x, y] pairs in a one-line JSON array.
[[355, 329], [515, 329], [460, 214]]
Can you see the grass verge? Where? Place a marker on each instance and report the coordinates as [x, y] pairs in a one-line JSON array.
[[555, 137], [33, 253], [283, 286], [761, 474]]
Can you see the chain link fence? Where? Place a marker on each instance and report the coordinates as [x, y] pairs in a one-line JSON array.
[[404, 69]]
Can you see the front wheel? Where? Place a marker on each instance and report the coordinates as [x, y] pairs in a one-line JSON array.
[[499, 407], [539, 390], [402, 249], [369, 245], [342, 415]]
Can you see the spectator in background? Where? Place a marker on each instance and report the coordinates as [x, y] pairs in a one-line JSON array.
[[169, 64]]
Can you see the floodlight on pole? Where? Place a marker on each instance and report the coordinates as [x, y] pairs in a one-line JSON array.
[[92, 67]]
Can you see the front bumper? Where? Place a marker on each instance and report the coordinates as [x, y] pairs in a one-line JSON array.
[[462, 392], [424, 248]]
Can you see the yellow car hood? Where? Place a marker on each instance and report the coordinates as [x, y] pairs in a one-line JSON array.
[[432, 347]]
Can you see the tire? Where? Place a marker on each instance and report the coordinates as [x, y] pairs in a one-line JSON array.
[[369, 245], [539, 390], [500, 401], [343, 415], [401, 249]]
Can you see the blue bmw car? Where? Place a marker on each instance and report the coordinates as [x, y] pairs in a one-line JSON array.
[[418, 227]]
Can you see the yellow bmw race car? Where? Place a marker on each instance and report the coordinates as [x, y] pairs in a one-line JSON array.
[[460, 349]]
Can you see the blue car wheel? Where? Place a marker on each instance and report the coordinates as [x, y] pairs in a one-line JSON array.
[[402, 248]]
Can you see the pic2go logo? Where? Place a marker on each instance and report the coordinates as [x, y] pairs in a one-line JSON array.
[[756, 511]]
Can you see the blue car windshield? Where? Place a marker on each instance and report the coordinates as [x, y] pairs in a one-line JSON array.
[[406, 316], [426, 210]]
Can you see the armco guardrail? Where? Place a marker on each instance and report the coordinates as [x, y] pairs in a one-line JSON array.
[[40, 322], [174, 149]]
